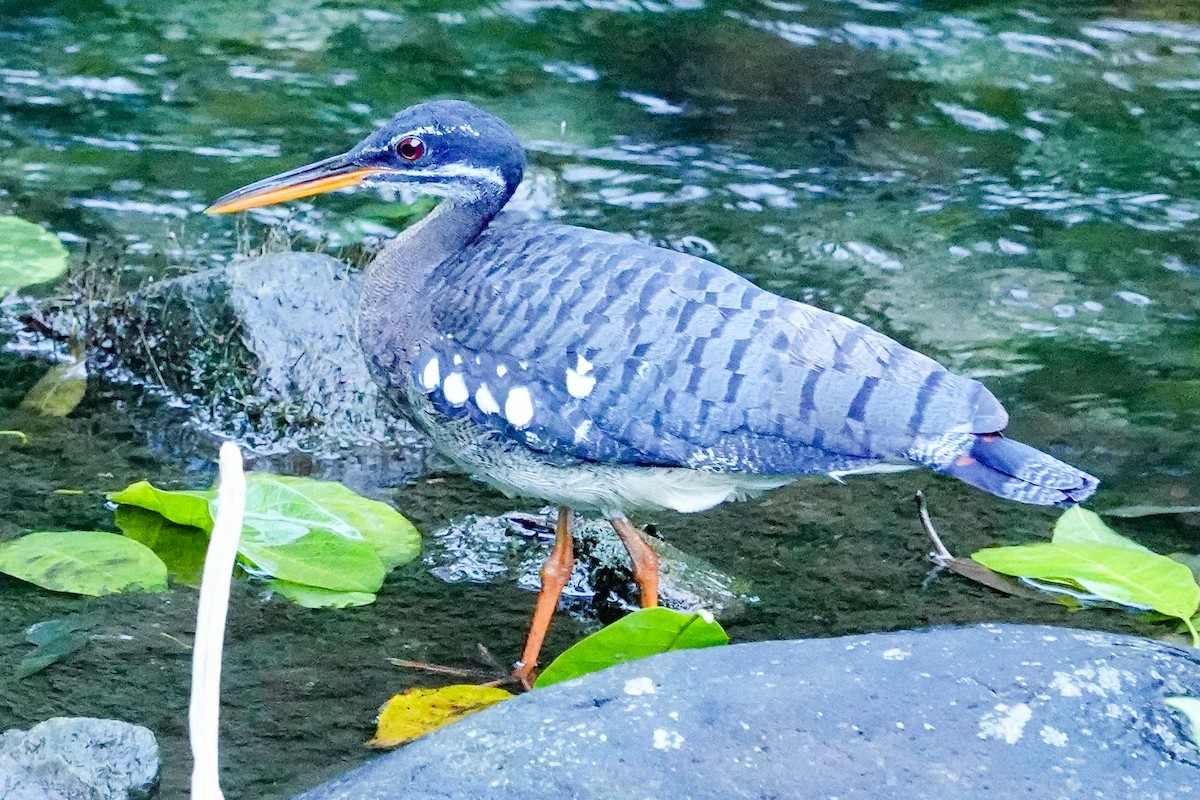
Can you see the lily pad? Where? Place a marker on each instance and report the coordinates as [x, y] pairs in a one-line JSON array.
[[418, 711], [83, 562], [321, 558], [181, 507], [304, 532], [281, 509], [181, 547], [1114, 572], [1077, 525], [643, 633], [313, 597], [29, 254]]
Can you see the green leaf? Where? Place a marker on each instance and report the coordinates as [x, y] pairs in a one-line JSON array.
[[281, 509], [83, 562], [1130, 512], [313, 597], [1077, 525], [1190, 560], [181, 547], [29, 254], [58, 392], [320, 558], [182, 507], [315, 533], [643, 633], [55, 639], [1115, 572], [1190, 708]]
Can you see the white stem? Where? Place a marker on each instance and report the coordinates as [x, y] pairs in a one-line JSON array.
[[204, 710]]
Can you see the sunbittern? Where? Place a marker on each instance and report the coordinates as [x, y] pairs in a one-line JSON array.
[[597, 372]]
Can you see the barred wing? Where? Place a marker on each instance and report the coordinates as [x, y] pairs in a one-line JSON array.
[[587, 345]]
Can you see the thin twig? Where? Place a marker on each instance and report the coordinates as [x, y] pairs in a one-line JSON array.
[[150, 355], [438, 668], [177, 640], [970, 569], [490, 659], [942, 555]]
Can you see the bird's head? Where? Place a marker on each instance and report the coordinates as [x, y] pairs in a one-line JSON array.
[[445, 147]]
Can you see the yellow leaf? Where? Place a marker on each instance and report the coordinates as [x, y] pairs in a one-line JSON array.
[[415, 713], [59, 390]]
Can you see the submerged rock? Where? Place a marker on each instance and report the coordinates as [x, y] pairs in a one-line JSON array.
[[263, 348], [79, 758], [264, 351], [486, 549], [984, 711]]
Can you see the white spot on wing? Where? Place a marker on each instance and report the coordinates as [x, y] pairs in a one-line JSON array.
[[455, 389], [582, 430], [483, 398], [501, 370], [430, 377], [640, 686], [582, 365], [518, 407], [579, 385], [457, 359]]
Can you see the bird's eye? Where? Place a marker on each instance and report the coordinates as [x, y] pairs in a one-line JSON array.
[[410, 148]]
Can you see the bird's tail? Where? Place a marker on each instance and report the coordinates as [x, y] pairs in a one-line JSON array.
[[1005, 468]]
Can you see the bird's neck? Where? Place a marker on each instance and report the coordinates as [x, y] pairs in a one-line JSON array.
[[393, 307]]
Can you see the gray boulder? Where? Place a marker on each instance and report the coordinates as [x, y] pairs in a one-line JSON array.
[[264, 348], [77, 758], [998, 711]]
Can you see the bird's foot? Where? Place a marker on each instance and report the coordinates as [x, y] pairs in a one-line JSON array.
[[525, 674]]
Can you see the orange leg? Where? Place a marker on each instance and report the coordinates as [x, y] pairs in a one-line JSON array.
[[555, 574], [645, 560]]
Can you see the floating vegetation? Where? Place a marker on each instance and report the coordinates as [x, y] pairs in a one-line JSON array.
[[327, 546], [29, 255]]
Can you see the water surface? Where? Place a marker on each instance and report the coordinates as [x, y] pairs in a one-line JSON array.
[[1010, 188]]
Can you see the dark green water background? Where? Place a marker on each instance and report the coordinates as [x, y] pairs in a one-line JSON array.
[[1010, 188]]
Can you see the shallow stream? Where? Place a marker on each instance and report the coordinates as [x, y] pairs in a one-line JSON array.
[[1012, 188]]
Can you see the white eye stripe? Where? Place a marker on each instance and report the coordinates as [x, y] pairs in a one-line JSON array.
[[487, 174]]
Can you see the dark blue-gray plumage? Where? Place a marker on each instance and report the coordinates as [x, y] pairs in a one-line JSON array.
[[596, 371]]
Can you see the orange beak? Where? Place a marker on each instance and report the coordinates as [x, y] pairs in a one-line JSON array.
[[333, 173]]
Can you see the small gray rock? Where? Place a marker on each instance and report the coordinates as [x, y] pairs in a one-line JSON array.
[[997, 711], [77, 758]]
